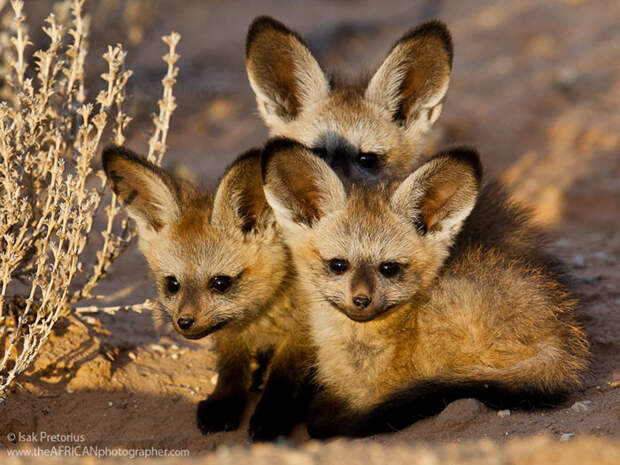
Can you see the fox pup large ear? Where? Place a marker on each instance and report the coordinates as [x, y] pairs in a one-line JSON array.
[[239, 199], [283, 73], [150, 195], [440, 195], [413, 79], [300, 187]]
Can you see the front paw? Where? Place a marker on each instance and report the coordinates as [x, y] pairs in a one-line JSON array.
[[318, 426], [328, 417], [269, 424], [222, 414]]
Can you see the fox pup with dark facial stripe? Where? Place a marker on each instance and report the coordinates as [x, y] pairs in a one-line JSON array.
[[366, 130], [404, 316], [222, 267]]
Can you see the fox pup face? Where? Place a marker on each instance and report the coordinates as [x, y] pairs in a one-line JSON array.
[[366, 250], [362, 132], [217, 259]]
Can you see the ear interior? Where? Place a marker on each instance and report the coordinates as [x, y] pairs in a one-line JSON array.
[[413, 79], [149, 194], [300, 187], [240, 199], [440, 194], [443, 196], [283, 73]]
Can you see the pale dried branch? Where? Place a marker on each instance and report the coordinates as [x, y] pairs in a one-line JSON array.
[[167, 104], [148, 304], [50, 136]]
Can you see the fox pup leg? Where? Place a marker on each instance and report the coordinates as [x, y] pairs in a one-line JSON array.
[[223, 409], [329, 416], [285, 397]]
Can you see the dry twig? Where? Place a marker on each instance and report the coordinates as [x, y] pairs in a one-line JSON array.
[[49, 137]]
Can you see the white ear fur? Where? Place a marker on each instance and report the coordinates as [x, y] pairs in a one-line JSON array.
[[284, 216], [283, 74], [439, 196], [164, 207], [239, 199], [300, 187], [148, 192], [413, 79]]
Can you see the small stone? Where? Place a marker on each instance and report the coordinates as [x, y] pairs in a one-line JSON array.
[[566, 436], [131, 355], [174, 356], [214, 379], [567, 77], [70, 391], [461, 412], [157, 348], [503, 413], [110, 404], [582, 406], [174, 347], [579, 261]]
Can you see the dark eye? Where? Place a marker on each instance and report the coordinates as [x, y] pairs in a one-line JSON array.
[[369, 161], [320, 152], [338, 265], [220, 284], [389, 269], [172, 285]]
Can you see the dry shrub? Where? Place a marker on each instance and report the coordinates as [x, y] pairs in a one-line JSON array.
[[50, 135]]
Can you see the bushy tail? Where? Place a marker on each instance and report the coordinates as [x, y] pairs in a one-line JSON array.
[[429, 397]]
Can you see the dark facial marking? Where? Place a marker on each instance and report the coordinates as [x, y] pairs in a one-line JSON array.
[[363, 280], [346, 159], [131, 197], [320, 152]]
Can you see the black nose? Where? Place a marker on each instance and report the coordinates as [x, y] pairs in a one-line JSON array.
[[185, 323], [361, 301]]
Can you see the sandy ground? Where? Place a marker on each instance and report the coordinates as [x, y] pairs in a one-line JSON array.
[[535, 87]]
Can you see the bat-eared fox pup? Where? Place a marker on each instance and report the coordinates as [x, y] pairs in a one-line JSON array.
[[375, 129], [222, 267], [364, 130], [404, 317]]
